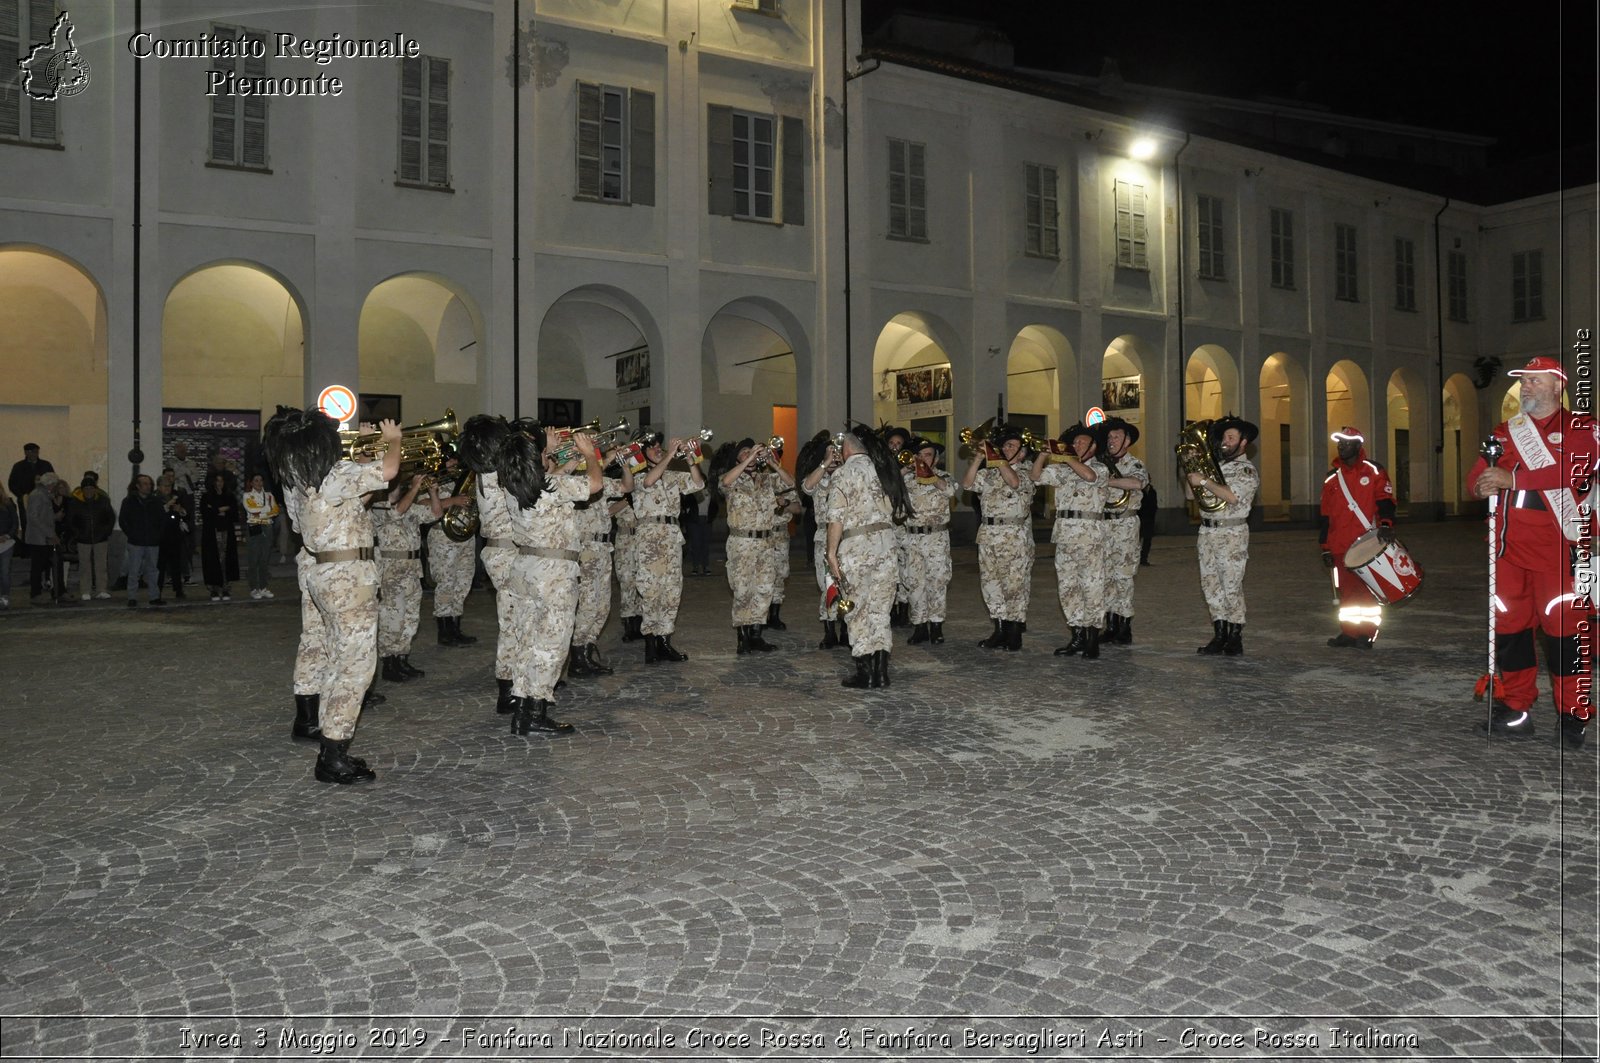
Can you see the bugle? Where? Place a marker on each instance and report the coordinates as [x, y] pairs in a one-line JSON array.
[[421, 446]]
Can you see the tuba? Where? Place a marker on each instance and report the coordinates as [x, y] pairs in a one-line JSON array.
[[1194, 455], [460, 523], [1113, 473], [421, 446]]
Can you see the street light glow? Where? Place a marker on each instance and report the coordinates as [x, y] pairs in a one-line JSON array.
[[1142, 148]]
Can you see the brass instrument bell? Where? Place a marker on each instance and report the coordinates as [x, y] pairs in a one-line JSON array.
[[1194, 455], [421, 445]]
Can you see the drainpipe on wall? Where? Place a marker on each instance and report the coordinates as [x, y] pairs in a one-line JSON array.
[[136, 454], [844, 110], [516, 209], [1177, 173], [1438, 333]]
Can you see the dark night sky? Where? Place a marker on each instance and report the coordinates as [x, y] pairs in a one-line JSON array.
[[1420, 62]]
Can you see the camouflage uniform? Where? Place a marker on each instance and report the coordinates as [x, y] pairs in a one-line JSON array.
[[1080, 557], [1121, 537], [750, 505], [499, 553], [658, 544], [927, 534], [1225, 544], [339, 610], [451, 564], [821, 511], [627, 564], [780, 548], [594, 576], [544, 572], [866, 552], [1005, 542], [399, 575]]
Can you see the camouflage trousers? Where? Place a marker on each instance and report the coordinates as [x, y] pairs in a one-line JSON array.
[[659, 568], [338, 652], [870, 570], [594, 596], [627, 575], [1005, 569], [1223, 555], [451, 564], [780, 562], [1121, 546], [902, 564], [928, 571], [749, 578], [497, 562], [819, 554], [400, 584], [1080, 571], [549, 588]]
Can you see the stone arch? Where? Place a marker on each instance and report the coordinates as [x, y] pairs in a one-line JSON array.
[[1348, 402], [1462, 435], [755, 360], [1284, 431], [1210, 383], [1035, 367], [1126, 361], [599, 353], [421, 337], [914, 340], [54, 346], [1406, 436]]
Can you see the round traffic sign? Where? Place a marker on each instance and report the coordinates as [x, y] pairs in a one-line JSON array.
[[1094, 416], [338, 402]]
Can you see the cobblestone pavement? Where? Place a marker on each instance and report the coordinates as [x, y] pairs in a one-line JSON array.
[[1195, 855]]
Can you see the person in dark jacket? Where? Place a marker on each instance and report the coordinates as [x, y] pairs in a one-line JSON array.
[[141, 517], [24, 477], [10, 530], [90, 520], [219, 543], [39, 532], [178, 510]]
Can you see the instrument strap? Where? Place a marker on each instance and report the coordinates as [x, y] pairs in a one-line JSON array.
[[1536, 455], [1350, 499]]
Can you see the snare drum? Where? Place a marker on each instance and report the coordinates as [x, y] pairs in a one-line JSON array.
[[1386, 568]]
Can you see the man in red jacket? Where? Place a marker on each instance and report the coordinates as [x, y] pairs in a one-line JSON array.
[[1542, 527], [1356, 497]]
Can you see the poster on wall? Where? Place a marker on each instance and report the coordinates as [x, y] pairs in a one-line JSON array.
[[1119, 397], [923, 393], [562, 413], [633, 372]]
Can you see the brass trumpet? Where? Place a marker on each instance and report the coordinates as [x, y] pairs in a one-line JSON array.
[[972, 439], [693, 448], [421, 446], [566, 448]]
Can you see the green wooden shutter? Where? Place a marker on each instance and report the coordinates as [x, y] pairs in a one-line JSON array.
[[719, 159], [642, 147]]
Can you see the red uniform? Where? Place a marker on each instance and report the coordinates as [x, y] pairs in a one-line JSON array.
[[1535, 556], [1359, 612]]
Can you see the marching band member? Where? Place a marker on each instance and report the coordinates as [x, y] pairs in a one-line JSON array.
[[897, 439], [450, 563], [1544, 526], [1122, 533], [324, 495], [630, 608], [398, 524], [815, 465], [1005, 535], [544, 526], [1080, 557], [787, 506], [594, 576], [658, 542], [927, 529], [747, 476], [481, 439], [1356, 493], [867, 495], [1224, 544]]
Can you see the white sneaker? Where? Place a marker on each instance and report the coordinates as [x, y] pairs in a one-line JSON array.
[[85, 597], [5, 603], [103, 596], [255, 595], [216, 597], [265, 593]]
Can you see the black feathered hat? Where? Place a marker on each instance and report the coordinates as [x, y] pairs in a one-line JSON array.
[[889, 431], [920, 443], [1247, 430], [1111, 423], [1081, 429], [1002, 432]]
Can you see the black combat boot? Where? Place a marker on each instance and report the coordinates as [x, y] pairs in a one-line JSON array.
[[1124, 630], [652, 652], [741, 639], [578, 664], [591, 653], [1218, 638], [1014, 635], [830, 636], [336, 766], [668, 652], [880, 668], [755, 642], [996, 639], [392, 672], [844, 633], [542, 720], [1504, 720], [462, 639], [506, 704], [521, 715], [862, 679], [1234, 644], [630, 630], [919, 635], [1572, 730], [1074, 645], [936, 631], [447, 637], [306, 708], [774, 621], [404, 663], [1091, 642], [372, 697]]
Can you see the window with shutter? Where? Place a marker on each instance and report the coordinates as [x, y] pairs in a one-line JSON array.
[[23, 24], [792, 171], [641, 147], [1456, 270], [908, 190], [1405, 274], [719, 159], [1208, 238], [1344, 263], [423, 156], [1039, 212], [1132, 234], [11, 38], [1281, 248], [754, 166], [239, 123], [1527, 286], [614, 147]]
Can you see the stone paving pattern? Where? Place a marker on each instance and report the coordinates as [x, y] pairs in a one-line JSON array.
[[1298, 832]]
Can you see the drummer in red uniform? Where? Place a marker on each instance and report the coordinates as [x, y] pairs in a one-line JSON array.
[[1357, 497], [1542, 527]]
